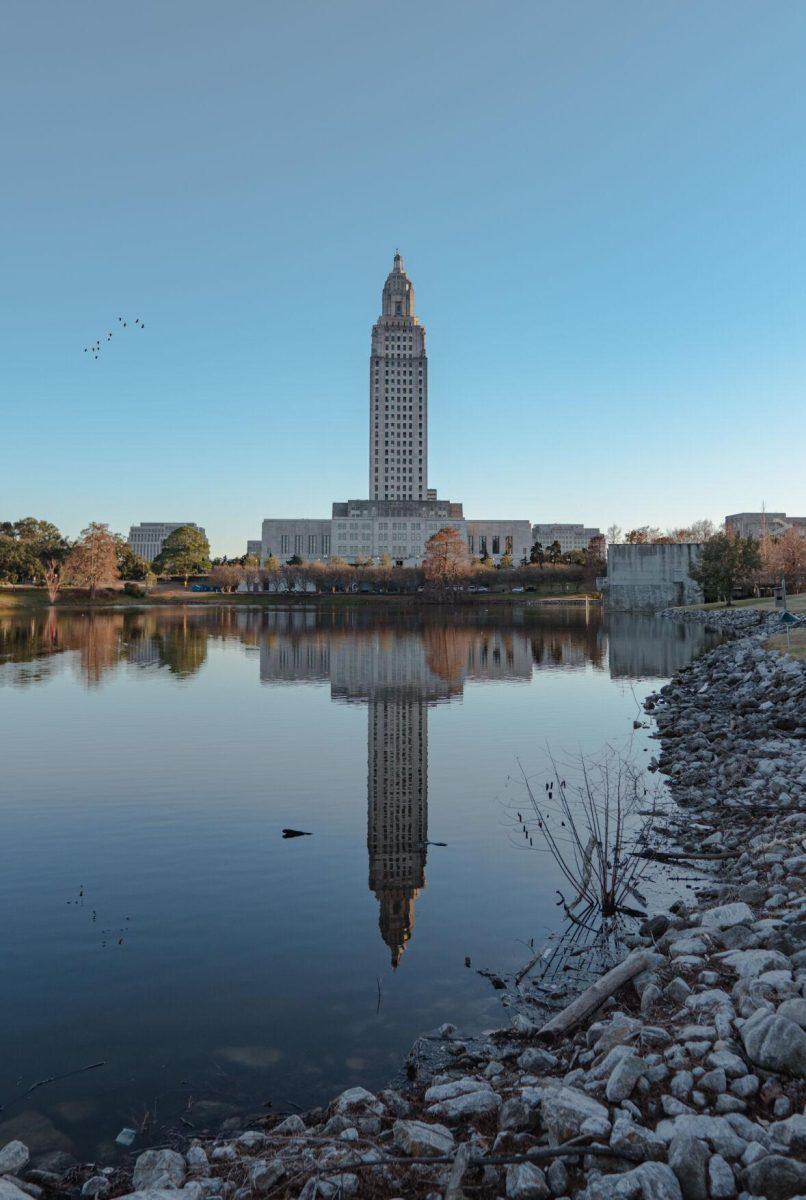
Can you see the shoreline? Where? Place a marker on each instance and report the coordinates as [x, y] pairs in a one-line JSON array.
[[688, 1081]]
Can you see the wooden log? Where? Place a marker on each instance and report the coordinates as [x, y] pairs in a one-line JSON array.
[[460, 1165], [594, 996]]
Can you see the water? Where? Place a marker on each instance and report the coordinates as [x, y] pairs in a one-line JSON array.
[[156, 920]]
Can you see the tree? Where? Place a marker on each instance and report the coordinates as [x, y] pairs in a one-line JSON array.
[[785, 556], [537, 554], [446, 559], [727, 562], [184, 552], [227, 576], [93, 561], [505, 562], [25, 545], [613, 535], [295, 561], [554, 552], [130, 565], [52, 577]]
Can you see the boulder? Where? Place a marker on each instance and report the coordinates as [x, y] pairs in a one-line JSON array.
[[525, 1181], [775, 1043], [624, 1078], [10, 1191], [688, 1158], [565, 1110], [158, 1169], [13, 1158], [775, 1177], [635, 1142], [727, 915], [650, 1181], [421, 1138], [721, 1181]]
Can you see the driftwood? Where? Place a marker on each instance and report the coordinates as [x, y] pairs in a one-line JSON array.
[[594, 996], [460, 1164]]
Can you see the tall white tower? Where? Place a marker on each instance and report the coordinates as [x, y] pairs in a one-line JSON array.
[[398, 396]]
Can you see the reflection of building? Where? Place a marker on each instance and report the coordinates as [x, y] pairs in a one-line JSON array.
[[399, 674], [641, 646]]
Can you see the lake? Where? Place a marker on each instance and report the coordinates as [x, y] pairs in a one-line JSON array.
[[157, 921]]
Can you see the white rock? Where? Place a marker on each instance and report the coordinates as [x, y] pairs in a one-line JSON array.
[[418, 1138], [158, 1168], [564, 1111], [13, 1158], [525, 1181], [727, 915]]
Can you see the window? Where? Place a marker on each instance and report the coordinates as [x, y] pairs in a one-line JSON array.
[[326, 543], [311, 544], [508, 543], [483, 544], [298, 543], [284, 544], [496, 545]]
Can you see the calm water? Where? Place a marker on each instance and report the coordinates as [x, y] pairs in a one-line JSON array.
[[156, 920]]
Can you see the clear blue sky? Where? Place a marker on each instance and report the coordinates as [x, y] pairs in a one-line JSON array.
[[601, 206]]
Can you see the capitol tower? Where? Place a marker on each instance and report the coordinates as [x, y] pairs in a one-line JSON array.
[[398, 396]]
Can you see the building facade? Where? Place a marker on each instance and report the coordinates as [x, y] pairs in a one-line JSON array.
[[651, 577], [398, 395], [764, 524], [286, 537], [495, 539], [147, 538], [570, 537]]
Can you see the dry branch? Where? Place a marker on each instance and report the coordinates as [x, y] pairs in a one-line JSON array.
[[594, 996]]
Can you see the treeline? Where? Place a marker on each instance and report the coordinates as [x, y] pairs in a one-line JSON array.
[[340, 576], [33, 551]]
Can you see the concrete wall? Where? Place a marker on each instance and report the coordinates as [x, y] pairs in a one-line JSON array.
[[496, 534], [651, 577]]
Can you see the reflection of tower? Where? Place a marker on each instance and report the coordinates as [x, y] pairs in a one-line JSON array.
[[397, 817]]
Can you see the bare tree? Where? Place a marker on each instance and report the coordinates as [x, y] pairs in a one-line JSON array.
[[446, 561], [613, 535], [52, 570], [92, 562]]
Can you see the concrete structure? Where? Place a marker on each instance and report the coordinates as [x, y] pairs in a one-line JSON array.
[[398, 395], [147, 538], [498, 538], [286, 536], [570, 537], [764, 524], [254, 547], [403, 512], [651, 577]]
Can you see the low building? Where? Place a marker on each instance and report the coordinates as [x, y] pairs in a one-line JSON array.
[[570, 537], [147, 538], [284, 537], [494, 539], [651, 577], [764, 524], [254, 547]]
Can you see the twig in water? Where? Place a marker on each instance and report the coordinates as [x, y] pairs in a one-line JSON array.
[[50, 1079]]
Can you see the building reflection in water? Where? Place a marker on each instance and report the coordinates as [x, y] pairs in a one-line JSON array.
[[400, 665]]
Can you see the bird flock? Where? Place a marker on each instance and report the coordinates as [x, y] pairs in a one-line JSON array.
[[95, 348]]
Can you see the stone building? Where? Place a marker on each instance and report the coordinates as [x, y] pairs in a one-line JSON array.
[[570, 537], [403, 512], [653, 576], [764, 524], [147, 538]]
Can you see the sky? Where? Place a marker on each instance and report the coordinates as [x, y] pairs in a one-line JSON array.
[[600, 206]]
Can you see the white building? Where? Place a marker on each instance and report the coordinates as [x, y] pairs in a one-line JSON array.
[[764, 524], [147, 538], [398, 396], [402, 512], [494, 539], [570, 537]]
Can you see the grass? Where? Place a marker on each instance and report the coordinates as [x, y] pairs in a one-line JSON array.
[[27, 599], [793, 644], [796, 604]]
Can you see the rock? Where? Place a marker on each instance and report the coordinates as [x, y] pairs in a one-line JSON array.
[[13, 1158], [650, 1181], [467, 1104], [517, 1115], [127, 1137], [624, 1078], [419, 1138], [713, 1081], [721, 1182], [709, 1000], [654, 927], [605, 1068], [716, 1131], [564, 1111], [10, 1191], [358, 1098], [677, 989], [197, 1161], [688, 1158], [730, 1063], [775, 1043], [636, 1143], [265, 1175], [749, 964], [456, 1087], [791, 1133], [775, 1177], [794, 1010], [295, 1124], [728, 915], [37, 1132], [96, 1185], [536, 1059], [158, 1168], [525, 1181], [557, 1177]]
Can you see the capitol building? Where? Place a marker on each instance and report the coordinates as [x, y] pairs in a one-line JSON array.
[[402, 511]]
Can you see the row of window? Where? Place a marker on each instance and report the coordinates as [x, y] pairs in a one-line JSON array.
[[317, 544], [496, 544]]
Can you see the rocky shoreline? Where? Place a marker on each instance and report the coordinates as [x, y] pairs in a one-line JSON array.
[[687, 1083]]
